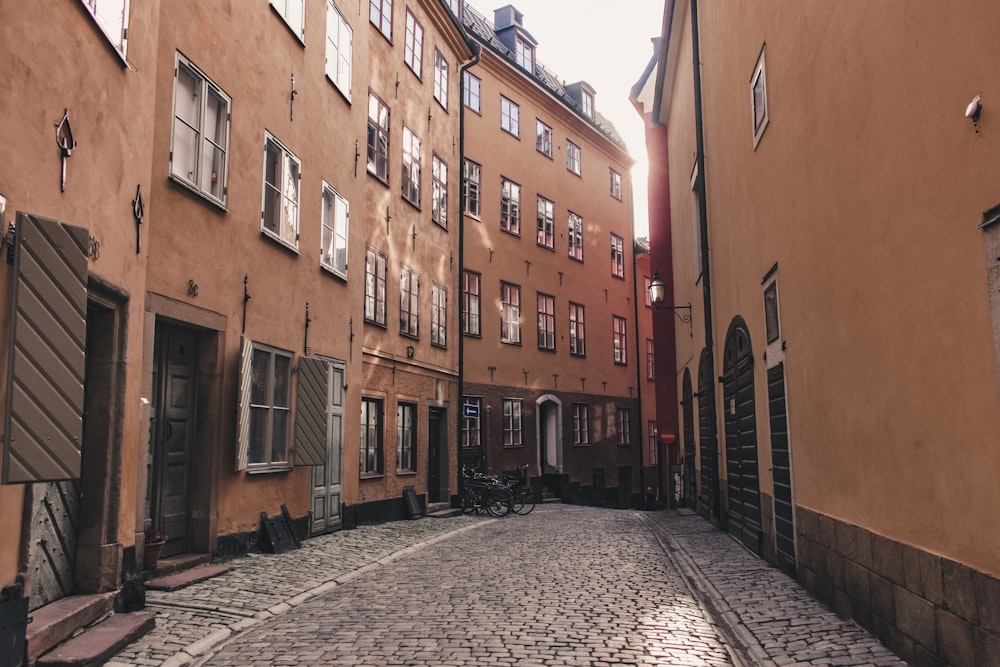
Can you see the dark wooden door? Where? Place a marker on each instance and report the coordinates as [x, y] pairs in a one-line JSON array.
[[781, 464], [437, 447], [743, 514], [55, 512], [706, 440], [690, 476]]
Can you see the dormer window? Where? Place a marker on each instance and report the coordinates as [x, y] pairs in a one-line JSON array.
[[588, 104], [524, 54]]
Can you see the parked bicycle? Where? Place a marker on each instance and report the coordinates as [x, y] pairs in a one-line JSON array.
[[484, 493], [519, 485]]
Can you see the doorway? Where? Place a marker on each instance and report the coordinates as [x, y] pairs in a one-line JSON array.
[[437, 449], [327, 476], [549, 428]]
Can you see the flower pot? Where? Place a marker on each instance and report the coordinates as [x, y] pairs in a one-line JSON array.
[[152, 554]]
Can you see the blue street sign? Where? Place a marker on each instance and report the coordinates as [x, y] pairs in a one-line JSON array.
[[470, 410]]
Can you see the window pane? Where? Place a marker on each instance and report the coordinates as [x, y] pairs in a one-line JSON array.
[[258, 435], [279, 437], [260, 370], [282, 376]]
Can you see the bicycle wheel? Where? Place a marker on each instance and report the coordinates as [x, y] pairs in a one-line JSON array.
[[469, 504], [524, 501], [498, 502]]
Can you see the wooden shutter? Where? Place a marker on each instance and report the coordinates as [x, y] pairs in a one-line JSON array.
[[311, 401], [43, 425], [243, 404]]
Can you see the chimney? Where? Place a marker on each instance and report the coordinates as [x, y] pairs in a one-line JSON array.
[[506, 17]]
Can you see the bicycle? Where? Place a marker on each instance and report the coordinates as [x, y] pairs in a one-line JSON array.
[[524, 498], [482, 493]]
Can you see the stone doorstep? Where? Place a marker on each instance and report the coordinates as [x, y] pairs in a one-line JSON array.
[[172, 582], [95, 645], [177, 563], [53, 623]]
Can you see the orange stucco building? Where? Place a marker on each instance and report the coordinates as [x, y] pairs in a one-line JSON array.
[[833, 224]]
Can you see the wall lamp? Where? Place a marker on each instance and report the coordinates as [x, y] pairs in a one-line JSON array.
[[658, 292]]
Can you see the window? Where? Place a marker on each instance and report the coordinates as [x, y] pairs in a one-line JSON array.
[[439, 191], [575, 236], [413, 49], [581, 424], [472, 88], [380, 14], [510, 313], [771, 312], [378, 138], [112, 17], [624, 427], [339, 45], [617, 256], [546, 322], [510, 114], [646, 297], [371, 436], [577, 335], [406, 437], [620, 340], [758, 97], [524, 54], [270, 407], [543, 138], [439, 315], [411, 167], [294, 14], [470, 303], [650, 361], [200, 140], [472, 426], [409, 302], [616, 184], [374, 287], [588, 104], [512, 422], [510, 207], [574, 157], [333, 252], [652, 439], [440, 79], [471, 173], [280, 210], [696, 220], [546, 223]]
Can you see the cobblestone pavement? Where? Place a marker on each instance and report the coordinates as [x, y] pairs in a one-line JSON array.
[[565, 585]]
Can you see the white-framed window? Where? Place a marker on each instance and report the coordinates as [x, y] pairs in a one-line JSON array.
[[472, 90], [112, 18], [472, 426], [650, 360], [270, 407], [512, 422], [524, 54], [439, 315], [575, 236], [510, 313], [294, 14], [758, 99], [471, 175], [411, 167], [581, 424], [577, 332], [413, 48], [378, 138], [772, 320], [647, 298], [199, 142], [380, 14], [406, 437], [510, 116], [409, 302], [617, 256], [471, 303], [279, 217], [616, 183], [439, 191], [543, 138], [546, 322], [546, 223], [440, 79], [375, 276], [624, 419], [620, 339], [371, 437], [574, 157], [653, 439], [336, 213], [339, 49], [588, 104], [510, 206]]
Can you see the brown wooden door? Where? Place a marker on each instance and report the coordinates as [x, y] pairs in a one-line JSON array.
[[743, 514], [437, 447]]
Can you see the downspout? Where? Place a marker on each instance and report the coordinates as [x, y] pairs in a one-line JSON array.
[[638, 358], [699, 128]]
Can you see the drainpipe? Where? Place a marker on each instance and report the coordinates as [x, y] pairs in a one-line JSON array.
[[638, 360], [699, 128]]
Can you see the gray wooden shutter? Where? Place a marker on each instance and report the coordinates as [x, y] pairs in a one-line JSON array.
[[243, 404], [43, 425], [310, 412]]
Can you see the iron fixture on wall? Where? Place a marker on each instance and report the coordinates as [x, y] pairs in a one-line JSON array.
[[658, 292]]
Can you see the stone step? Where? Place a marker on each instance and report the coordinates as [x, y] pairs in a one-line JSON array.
[[177, 563], [172, 582], [444, 513], [96, 644], [55, 622]]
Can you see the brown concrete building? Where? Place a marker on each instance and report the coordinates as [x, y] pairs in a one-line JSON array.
[[548, 321], [834, 226]]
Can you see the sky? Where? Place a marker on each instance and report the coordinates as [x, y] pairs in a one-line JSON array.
[[606, 45]]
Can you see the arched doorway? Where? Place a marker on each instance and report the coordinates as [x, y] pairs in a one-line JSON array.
[[706, 437], [743, 514], [690, 480], [548, 411]]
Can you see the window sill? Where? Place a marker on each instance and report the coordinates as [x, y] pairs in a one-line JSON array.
[[516, 343], [209, 199], [380, 325], [334, 273], [414, 204], [268, 234], [346, 94], [551, 248], [373, 174], [578, 355], [371, 475], [267, 468], [511, 232], [469, 334], [406, 473]]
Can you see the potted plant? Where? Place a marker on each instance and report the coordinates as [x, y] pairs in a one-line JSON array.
[[154, 545]]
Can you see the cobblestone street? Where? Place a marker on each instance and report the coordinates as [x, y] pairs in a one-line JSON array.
[[565, 585]]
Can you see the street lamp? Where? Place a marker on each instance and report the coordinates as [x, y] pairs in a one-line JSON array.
[[658, 292]]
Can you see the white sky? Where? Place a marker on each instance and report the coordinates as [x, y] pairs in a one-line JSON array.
[[608, 46]]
